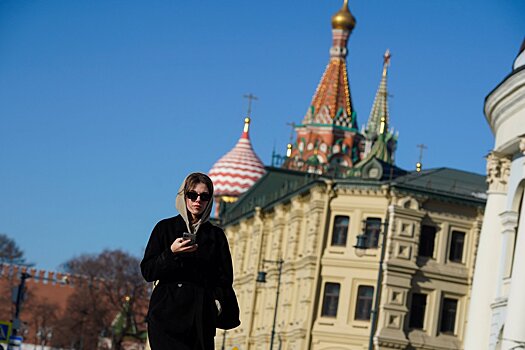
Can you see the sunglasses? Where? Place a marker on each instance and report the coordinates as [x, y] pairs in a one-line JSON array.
[[192, 195]]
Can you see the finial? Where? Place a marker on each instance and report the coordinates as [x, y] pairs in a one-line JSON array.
[[382, 125], [289, 150], [419, 164], [343, 19], [246, 124], [386, 61], [250, 98]]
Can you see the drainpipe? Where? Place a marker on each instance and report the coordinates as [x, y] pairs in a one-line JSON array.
[[330, 194], [259, 216]]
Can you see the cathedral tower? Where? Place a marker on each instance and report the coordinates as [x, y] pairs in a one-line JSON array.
[[380, 141], [327, 137]]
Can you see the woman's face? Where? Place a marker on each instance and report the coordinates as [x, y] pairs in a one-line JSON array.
[[197, 206]]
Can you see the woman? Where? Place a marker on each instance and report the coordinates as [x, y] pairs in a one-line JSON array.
[[194, 280]]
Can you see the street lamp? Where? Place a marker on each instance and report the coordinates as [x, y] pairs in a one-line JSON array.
[[261, 277], [18, 302], [21, 289], [361, 246]]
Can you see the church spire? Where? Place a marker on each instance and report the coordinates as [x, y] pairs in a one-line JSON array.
[[380, 142], [332, 103], [378, 119], [327, 137]]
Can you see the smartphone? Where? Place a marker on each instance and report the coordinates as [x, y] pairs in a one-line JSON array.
[[191, 236]]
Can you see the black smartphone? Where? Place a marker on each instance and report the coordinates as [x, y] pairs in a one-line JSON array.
[[191, 236]]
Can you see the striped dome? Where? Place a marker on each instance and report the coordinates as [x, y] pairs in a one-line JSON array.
[[238, 169]]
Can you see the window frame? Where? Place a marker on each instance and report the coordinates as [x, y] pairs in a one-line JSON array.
[[442, 317], [421, 319], [325, 305], [427, 240], [453, 246], [335, 242], [370, 230], [358, 307]]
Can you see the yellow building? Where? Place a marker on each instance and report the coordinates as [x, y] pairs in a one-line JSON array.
[[431, 220], [295, 229]]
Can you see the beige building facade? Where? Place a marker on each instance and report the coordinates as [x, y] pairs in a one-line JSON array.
[[431, 221]]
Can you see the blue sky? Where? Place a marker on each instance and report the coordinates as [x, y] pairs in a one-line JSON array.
[[106, 105]]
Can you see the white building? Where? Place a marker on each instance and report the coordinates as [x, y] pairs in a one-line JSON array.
[[497, 309]]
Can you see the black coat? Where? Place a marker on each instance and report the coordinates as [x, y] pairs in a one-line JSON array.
[[189, 283]]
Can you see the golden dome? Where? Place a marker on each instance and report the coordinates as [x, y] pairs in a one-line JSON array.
[[343, 19]]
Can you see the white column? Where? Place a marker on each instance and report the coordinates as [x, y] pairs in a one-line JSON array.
[[485, 276], [485, 272], [514, 332], [509, 222]]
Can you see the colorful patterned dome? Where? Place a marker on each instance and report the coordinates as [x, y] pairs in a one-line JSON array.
[[238, 169]]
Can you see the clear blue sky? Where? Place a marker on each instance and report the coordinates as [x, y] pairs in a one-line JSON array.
[[106, 105]]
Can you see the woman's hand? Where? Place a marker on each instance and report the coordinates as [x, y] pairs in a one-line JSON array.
[[181, 245]]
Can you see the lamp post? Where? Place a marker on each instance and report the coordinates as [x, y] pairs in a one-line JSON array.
[[18, 302], [261, 277], [20, 293], [360, 248]]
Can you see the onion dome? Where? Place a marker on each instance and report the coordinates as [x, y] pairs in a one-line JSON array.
[[343, 19], [238, 169]]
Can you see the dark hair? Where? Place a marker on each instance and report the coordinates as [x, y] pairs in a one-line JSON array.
[[196, 178]]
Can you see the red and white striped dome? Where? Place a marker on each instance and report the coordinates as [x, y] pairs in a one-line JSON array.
[[238, 169]]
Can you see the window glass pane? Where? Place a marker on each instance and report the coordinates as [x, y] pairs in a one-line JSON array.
[[340, 231], [427, 240], [372, 230], [448, 315], [363, 308], [330, 299], [417, 310], [457, 241]]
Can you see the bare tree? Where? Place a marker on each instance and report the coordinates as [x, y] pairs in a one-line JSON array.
[[111, 302], [45, 320]]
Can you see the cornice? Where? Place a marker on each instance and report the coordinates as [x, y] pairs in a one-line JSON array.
[[509, 95]]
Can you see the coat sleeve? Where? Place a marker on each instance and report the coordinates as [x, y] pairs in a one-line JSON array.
[[158, 257]]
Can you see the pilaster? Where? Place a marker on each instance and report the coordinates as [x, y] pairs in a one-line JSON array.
[[485, 275]]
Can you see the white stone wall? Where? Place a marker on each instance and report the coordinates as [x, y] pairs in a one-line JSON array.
[[497, 309]]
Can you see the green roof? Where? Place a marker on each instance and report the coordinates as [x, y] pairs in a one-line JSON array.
[[446, 182], [278, 185]]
